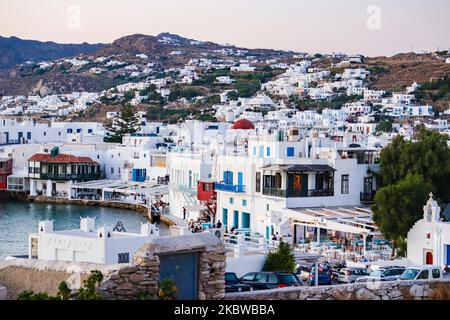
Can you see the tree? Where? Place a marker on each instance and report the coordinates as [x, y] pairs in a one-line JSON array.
[[428, 156], [399, 206], [127, 122], [384, 126], [281, 260]]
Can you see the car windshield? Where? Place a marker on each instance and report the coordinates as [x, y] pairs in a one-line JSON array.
[[231, 278], [287, 279], [410, 274]]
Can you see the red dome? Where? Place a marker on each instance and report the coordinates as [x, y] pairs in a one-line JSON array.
[[243, 124]]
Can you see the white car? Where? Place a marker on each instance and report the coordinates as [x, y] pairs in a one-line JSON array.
[[427, 272]]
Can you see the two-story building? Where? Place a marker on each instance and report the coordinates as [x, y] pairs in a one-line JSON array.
[[51, 174]]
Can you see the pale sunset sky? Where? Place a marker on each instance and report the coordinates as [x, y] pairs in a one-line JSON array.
[[302, 25]]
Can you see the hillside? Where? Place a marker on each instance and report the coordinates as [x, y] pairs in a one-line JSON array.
[[15, 51]]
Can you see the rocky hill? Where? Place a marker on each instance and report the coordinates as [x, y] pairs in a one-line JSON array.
[[15, 51]]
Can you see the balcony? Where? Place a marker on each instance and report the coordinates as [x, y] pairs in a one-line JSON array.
[[229, 187], [67, 177], [274, 192], [188, 190], [321, 193], [312, 193]]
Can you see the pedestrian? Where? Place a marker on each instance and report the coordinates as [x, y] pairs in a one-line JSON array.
[[446, 269], [184, 213], [219, 224]]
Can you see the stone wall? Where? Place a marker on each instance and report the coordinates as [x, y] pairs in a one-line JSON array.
[[124, 282], [19, 275], [398, 290], [142, 279]]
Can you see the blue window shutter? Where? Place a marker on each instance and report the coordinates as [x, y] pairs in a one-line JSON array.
[[225, 177], [240, 179], [230, 177], [261, 151], [254, 151], [268, 151]]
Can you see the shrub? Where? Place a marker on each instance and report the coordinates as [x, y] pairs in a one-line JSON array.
[[280, 260], [167, 290]]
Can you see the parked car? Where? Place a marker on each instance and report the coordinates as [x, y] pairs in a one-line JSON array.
[[324, 276], [232, 283], [391, 273], [270, 280], [349, 275], [427, 272]]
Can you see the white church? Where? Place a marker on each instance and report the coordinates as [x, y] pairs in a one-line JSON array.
[[429, 238]]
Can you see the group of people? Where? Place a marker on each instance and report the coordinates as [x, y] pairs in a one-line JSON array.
[[196, 227]]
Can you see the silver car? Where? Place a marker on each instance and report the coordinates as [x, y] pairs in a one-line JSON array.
[[383, 274], [349, 275]]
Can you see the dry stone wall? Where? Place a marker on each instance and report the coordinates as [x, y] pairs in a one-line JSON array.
[[398, 290]]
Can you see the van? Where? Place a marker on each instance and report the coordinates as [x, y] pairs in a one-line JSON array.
[[427, 272]]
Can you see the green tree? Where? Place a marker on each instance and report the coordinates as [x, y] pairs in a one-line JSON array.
[[398, 206], [280, 260], [384, 126], [63, 291], [428, 156], [126, 123]]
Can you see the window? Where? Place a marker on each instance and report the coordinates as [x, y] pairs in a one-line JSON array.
[[268, 151], [112, 170], [28, 135], [423, 275], [344, 183], [272, 278], [254, 151], [436, 273], [231, 200], [244, 202], [258, 182], [78, 130], [90, 130], [123, 258], [290, 151], [69, 130], [261, 277], [261, 151], [249, 277]]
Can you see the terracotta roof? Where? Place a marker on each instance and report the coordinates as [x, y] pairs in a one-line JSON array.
[[243, 124], [61, 158]]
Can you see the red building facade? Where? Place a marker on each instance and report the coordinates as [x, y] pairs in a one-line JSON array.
[[5, 171]]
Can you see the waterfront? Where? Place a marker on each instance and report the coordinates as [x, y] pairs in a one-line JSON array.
[[19, 219]]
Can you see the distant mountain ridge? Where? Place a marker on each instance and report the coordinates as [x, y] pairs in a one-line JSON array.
[[14, 51]]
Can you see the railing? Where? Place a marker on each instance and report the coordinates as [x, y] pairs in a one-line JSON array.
[[320, 193], [187, 190], [274, 192], [367, 196], [229, 187], [66, 177]]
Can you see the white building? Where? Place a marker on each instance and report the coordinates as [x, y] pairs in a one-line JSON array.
[[429, 238], [100, 245]]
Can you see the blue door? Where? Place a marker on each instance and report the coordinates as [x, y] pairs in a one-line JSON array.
[[268, 232], [236, 219], [448, 255], [245, 220], [225, 217], [183, 269]]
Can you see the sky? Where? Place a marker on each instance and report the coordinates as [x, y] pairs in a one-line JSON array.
[[369, 27]]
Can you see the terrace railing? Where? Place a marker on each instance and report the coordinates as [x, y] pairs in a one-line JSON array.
[[229, 187]]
